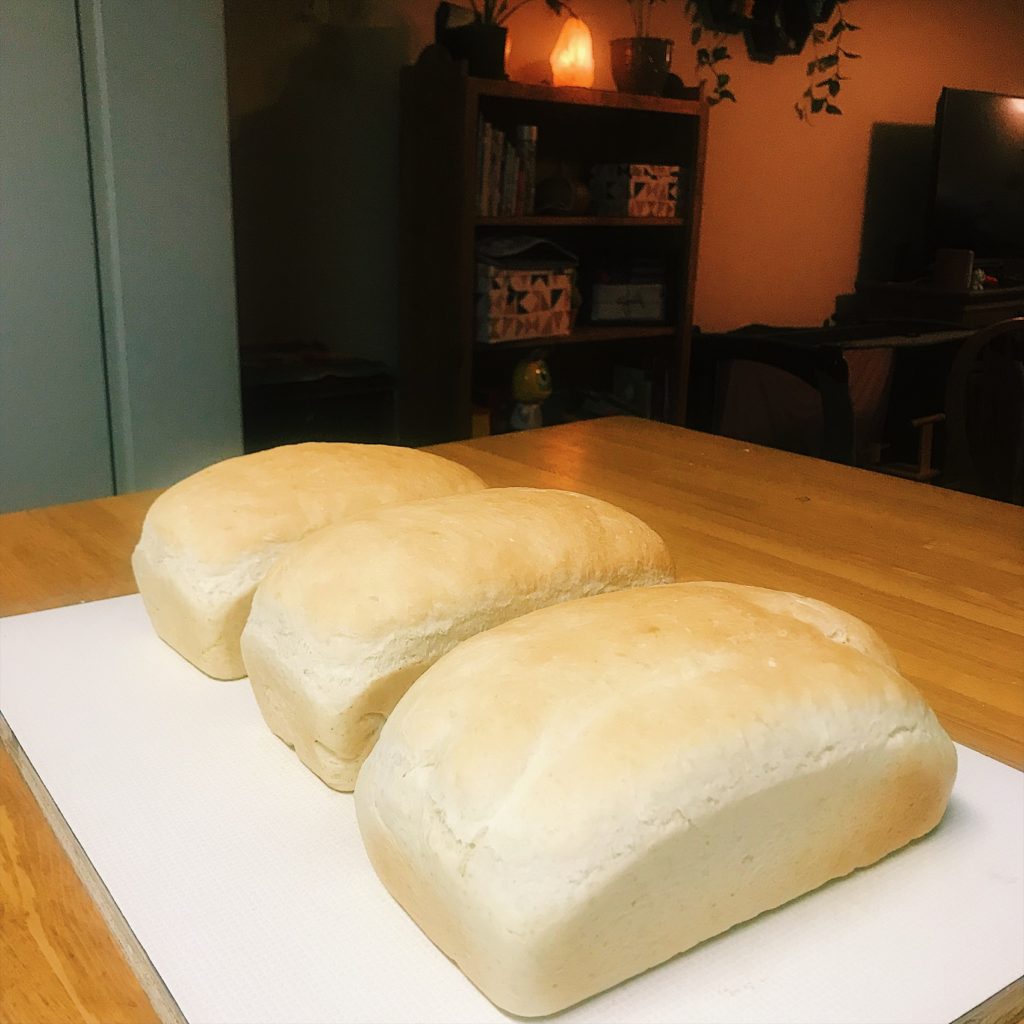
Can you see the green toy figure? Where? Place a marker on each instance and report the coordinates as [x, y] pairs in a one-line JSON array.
[[531, 384]]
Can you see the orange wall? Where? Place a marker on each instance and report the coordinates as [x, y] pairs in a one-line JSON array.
[[783, 200]]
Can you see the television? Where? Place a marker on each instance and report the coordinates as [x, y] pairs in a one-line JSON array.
[[978, 176]]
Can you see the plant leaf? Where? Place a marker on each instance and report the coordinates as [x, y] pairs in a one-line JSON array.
[[727, 94], [712, 100], [851, 28], [819, 35], [812, 67], [830, 108], [828, 61], [836, 29], [799, 111], [719, 53], [703, 57], [722, 79], [695, 35], [816, 104], [852, 56]]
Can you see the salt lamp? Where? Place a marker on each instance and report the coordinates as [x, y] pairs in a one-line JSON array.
[[572, 59]]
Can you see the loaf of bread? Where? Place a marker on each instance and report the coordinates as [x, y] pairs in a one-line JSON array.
[[345, 622], [579, 794], [208, 540]]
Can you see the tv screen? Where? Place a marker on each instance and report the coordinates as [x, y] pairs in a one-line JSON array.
[[978, 198]]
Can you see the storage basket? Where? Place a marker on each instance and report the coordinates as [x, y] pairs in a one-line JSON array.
[[635, 190], [524, 289]]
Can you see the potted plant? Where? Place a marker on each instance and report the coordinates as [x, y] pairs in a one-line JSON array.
[[479, 36], [774, 28], [641, 63]]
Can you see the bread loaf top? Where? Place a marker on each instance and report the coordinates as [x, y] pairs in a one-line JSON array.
[[555, 745], [439, 563], [584, 792], [223, 512]]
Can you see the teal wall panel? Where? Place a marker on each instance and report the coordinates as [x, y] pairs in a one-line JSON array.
[[157, 110], [54, 435]]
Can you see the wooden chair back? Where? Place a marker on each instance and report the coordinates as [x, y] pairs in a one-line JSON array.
[[985, 414]]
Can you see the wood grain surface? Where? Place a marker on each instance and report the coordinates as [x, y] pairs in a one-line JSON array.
[[58, 960], [940, 575]]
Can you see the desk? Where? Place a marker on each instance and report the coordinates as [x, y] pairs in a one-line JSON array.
[[939, 574], [816, 356], [885, 300]]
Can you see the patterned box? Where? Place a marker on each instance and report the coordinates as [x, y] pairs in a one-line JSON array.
[[635, 190], [515, 303], [628, 303]]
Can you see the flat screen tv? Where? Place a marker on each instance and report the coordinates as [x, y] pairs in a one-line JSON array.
[[978, 193]]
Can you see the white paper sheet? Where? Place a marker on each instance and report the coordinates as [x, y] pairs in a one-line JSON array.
[[245, 880]]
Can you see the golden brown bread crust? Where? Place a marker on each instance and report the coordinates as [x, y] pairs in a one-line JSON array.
[[208, 540], [217, 515], [344, 622], [583, 792]]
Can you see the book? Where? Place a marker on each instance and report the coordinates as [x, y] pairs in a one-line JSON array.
[[480, 123], [506, 170], [485, 168], [497, 171], [526, 144]]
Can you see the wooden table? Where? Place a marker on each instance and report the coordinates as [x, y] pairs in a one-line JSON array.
[[939, 574]]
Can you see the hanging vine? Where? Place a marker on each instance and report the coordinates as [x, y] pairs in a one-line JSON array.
[[821, 93], [709, 57]]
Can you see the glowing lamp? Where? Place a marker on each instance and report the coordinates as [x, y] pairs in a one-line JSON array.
[[572, 59]]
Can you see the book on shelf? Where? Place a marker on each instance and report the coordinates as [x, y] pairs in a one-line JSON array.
[[497, 162], [479, 162], [506, 170], [526, 146]]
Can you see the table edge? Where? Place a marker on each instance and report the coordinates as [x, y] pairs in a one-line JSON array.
[[153, 985], [1004, 1007]]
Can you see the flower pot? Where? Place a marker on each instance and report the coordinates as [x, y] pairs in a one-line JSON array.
[[641, 64], [483, 46], [722, 15], [777, 28], [822, 10]]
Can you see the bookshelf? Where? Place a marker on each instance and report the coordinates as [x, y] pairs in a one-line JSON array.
[[536, 221], [444, 372]]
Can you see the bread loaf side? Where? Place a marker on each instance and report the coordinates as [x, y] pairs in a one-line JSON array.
[[345, 622], [578, 795], [208, 540]]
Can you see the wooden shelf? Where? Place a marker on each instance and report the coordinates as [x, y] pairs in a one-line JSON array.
[[585, 334], [693, 104], [442, 368], [555, 221]]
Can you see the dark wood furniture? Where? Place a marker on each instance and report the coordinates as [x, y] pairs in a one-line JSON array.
[[442, 370], [985, 413], [925, 302], [815, 355], [325, 399]]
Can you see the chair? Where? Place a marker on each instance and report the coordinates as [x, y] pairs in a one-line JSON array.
[[985, 414]]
